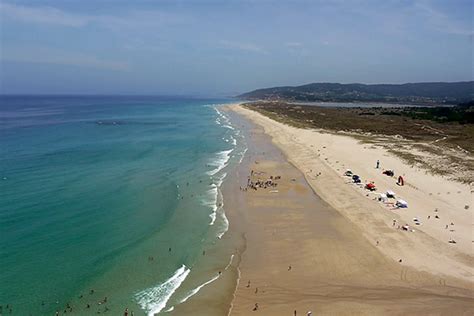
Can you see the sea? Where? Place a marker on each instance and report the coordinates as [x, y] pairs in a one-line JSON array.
[[110, 203]]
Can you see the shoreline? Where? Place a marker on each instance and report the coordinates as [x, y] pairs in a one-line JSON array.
[[215, 295], [355, 279]]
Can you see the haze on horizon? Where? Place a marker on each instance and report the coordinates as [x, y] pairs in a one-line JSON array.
[[215, 48]]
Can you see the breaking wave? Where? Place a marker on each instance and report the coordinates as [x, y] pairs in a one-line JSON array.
[[154, 299], [197, 289], [220, 162]]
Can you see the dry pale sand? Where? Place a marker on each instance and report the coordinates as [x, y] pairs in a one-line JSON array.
[[330, 242]]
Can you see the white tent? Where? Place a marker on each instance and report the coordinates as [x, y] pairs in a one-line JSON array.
[[402, 203]]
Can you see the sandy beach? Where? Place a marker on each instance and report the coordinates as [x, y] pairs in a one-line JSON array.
[[317, 242]]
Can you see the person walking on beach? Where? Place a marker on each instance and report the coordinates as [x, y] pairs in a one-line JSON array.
[[378, 164]]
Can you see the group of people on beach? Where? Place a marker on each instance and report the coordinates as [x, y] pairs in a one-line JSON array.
[[262, 184]]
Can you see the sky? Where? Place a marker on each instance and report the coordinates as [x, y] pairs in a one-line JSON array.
[[222, 48]]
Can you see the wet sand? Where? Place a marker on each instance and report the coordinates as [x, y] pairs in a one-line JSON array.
[[335, 269]]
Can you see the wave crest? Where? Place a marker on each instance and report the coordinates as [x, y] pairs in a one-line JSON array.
[[154, 299]]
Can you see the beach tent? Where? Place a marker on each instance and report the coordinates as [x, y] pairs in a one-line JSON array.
[[383, 197], [370, 186], [356, 179], [401, 181], [401, 204]]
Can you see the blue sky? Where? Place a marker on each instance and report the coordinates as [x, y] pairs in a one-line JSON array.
[[227, 47]]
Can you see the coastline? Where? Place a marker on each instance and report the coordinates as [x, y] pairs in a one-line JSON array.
[[222, 257], [336, 266]]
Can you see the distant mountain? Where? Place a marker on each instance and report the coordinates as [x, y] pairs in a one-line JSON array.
[[412, 93]]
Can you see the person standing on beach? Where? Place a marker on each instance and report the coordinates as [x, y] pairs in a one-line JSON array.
[[378, 164]]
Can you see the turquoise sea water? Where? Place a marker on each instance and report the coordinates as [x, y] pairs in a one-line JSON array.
[[95, 191]]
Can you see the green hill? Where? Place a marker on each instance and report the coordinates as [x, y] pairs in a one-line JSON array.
[[411, 93]]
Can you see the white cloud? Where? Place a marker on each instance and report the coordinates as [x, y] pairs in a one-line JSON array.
[[441, 21], [249, 47], [48, 15]]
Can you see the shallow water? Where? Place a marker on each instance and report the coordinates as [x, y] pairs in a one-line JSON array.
[[95, 191]]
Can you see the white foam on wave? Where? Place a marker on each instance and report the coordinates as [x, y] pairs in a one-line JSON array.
[[233, 140], [194, 291], [220, 162], [197, 289], [243, 155], [230, 262], [227, 123], [154, 299], [213, 218], [219, 179], [225, 226], [210, 200], [219, 112], [212, 196], [169, 309]]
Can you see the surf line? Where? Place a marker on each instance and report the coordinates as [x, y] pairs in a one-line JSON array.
[[154, 299], [197, 289]]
